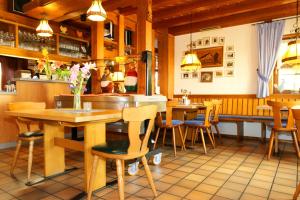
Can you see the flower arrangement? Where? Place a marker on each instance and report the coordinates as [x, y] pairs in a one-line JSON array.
[[78, 75], [44, 65]]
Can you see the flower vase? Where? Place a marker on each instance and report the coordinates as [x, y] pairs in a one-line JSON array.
[[77, 101]]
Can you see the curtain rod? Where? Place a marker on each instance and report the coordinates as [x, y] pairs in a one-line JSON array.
[[284, 18]]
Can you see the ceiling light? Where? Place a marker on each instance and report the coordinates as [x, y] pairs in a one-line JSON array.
[[96, 12], [44, 30]]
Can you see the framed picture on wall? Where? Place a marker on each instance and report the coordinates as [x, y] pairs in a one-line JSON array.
[[219, 73], [195, 75], [230, 64], [206, 41], [199, 43], [206, 77], [214, 40], [230, 55], [210, 57], [221, 40], [185, 75], [230, 48], [229, 72]]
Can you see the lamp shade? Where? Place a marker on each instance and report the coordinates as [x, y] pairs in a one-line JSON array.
[[96, 12], [118, 76], [44, 30], [190, 62], [292, 55]]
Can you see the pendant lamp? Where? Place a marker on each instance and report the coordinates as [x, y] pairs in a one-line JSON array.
[[43, 29], [96, 12], [291, 57], [190, 62]]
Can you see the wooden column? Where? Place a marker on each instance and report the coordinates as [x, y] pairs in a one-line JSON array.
[[166, 63], [97, 54], [121, 35], [144, 40]]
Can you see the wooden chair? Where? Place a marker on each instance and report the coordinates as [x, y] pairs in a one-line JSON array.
[[282, 126], [296, 114], [29, 131], [215, 120], [201, 125], [169, 123], [127, 150]]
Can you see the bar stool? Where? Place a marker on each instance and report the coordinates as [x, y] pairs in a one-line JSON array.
[[169, 123], [296, 114], [201, 125], [127, 149], [281, 125], [29, 131]]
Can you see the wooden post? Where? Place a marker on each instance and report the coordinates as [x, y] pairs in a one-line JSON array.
[[144, 40], [166, 62], [97, 54], [121, 35]]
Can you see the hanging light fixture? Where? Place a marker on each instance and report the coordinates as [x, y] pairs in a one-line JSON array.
[[291, 57], [43, 29], [190, 62], [96, 12]]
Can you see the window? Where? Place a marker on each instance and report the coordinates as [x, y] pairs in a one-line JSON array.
[[286, 79]]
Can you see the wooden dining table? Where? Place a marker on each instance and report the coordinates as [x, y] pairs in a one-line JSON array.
[[54, 121]]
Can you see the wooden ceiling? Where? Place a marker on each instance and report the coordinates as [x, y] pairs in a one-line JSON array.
[[179, 16]]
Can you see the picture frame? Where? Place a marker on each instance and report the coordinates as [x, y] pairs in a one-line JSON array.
[[221, 40], [206, 77], [230, 55], [199, 43], [229, 72], [185, 75], [206, 41], [214, 40], [210, 57], [195, 75], [219, 73], [230, 48], [194, 43], [230, 64]]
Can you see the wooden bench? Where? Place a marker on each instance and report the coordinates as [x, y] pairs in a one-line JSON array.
[[240, 119]]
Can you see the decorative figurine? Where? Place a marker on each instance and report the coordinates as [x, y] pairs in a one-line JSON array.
[[107, 85]]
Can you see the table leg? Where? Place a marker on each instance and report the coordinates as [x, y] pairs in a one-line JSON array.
[[54, 155], [94, 134], [240, 131], [263, 132]]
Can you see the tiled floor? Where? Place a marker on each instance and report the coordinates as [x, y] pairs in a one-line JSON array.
[[231, 171]]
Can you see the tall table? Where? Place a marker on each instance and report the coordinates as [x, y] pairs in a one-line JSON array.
[[55, 120]]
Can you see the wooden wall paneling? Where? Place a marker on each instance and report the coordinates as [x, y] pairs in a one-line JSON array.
[[245, 106], [225, 106], [234, 106], [250, 107], [229, 109], [240, 106]]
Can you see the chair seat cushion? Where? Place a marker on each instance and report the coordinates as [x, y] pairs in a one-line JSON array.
[[31, 134], [118, 147], [174, 122], [193, 123]]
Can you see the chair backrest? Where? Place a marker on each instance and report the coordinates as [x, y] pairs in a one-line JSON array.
[[208, 111], [135, 117], [169, 111], [278, 107], [296, 114], [217, 106], [26, 125]]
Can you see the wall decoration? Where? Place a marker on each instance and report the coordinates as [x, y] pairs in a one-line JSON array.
[[195, 75], [230, 64], [185, 75], [210, 57], [230, 48], [206, 41], [199, 43], [194, 43], [229, 72], [221, 40], [206, 77], [214, 40], [219, 73], [230, 55]]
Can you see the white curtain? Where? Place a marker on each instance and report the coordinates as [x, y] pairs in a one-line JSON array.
[[269, 39]]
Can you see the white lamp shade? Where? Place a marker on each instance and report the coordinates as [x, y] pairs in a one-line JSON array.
[[96, 12], [190, 62], [118, 76], [44, 30], [292, 55]]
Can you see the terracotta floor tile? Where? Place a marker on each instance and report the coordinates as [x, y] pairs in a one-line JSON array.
[[265, 178], [227, 193], [68, 193], [178, 191], [36, 194], [234, 186], [283, 189], [286, 182], [246, 196], [260, 184], [186, 169], [211, 189], [278, 195], [166, 196], [145, 193], [238, 179], [169, 179], [187, 183], [178, 174], [257, 191], [132, 188], [195, 177], [219, 175], [214, 181], [50, 198], [6, 196], [198, 195], [161, 186]]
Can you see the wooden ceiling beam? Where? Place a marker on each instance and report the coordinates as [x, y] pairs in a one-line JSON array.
[[266, 14], [225, 11], [128, 10], [192, 7]]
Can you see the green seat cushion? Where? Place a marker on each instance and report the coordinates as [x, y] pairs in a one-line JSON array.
[[31, 134], [113, 147]]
